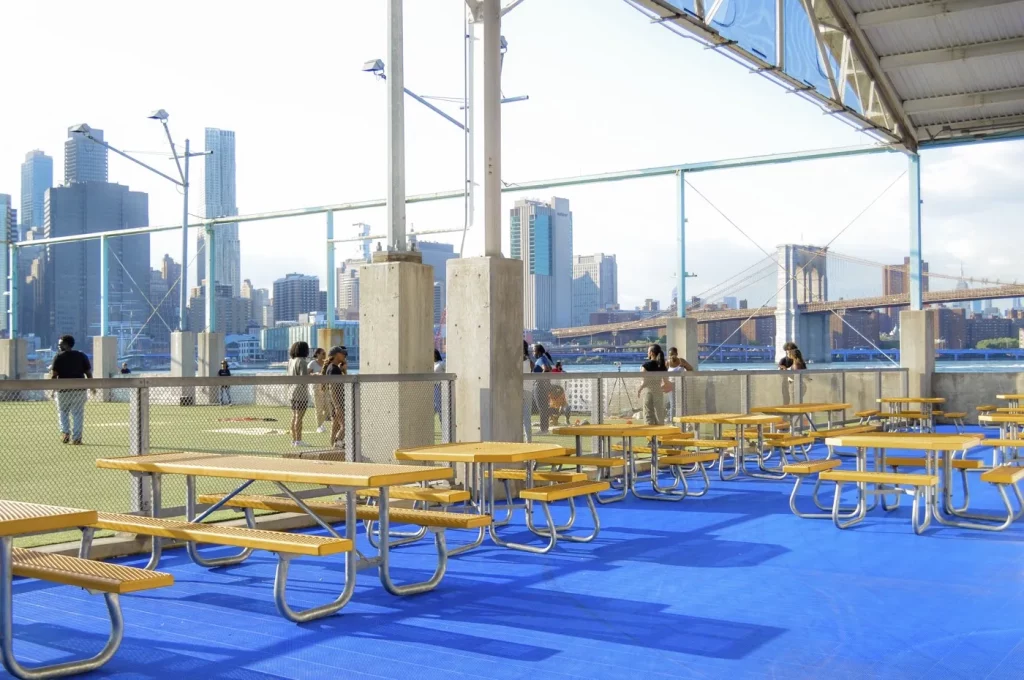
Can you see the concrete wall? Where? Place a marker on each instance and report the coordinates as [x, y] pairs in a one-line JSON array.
[[966, 391]]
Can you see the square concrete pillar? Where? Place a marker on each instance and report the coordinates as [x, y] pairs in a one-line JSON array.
[[682, 334], [917, 350], [183, 365], [104, 363], [396, 336], [485, 347], [210, 354], [14, 359]]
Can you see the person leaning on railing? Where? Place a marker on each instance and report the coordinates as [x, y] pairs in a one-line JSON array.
[[650, 389]]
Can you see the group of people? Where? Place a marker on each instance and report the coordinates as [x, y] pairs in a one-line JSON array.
[[328, 399], [653, 390]]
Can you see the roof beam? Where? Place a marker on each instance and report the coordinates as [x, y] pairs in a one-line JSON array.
[[944, 134], [963, 101], [925, 10], [942, 56]]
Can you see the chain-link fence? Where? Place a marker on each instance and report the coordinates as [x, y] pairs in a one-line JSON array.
[[354, 418]]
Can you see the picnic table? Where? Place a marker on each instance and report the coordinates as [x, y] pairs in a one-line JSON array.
[[339, 477], [759, 421], [798, 413], [713, 419], [896, 408], [479, 459], [17, 519], [939, 453], [1009, 423], [1014, 399], [627, 432]]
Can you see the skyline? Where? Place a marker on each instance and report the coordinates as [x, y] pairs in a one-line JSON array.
[[972, 195]]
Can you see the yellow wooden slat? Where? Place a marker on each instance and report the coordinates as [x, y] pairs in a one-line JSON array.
[[840, 431], [916, 461], [687, 458], [801, 409], [911, 400], [25, 518], [559, 492], [586, 461], [242, 537], [1004, 443], [480, 452], [1004, 474], [91, 574], [894, 441], [879, 477], [540, 476], [616, 430], [231, 466], [333, 511], [809, 467], [706, 418], [419, 493]]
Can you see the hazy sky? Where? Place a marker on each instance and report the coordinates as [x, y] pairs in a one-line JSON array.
[[608, 91]]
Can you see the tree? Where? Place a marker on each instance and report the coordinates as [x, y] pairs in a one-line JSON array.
[[999, 343]]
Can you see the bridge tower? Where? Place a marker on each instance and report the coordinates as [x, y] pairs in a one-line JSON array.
[[803, 279]]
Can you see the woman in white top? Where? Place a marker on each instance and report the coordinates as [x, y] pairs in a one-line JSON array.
[[675, 364], [527, 396], [320, 401], [298, 365]]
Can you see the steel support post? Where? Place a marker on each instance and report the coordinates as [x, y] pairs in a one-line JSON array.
[[681, 262], [211, 277], [104, 290], [12, 308], [396, 128], [183, 297], [916, 282], [332, 275], [491, 19]]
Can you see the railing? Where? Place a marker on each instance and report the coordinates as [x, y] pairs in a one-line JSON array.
[[250, 414]]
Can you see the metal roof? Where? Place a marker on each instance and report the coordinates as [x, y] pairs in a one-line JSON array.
[[912, 72]]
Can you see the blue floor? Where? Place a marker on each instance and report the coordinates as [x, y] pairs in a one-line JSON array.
[[730, 585]]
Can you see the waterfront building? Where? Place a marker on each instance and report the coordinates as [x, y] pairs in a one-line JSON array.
[[221, 201], [84, 159], [36, 178], [595, 286], [295, 294], [541, 236]]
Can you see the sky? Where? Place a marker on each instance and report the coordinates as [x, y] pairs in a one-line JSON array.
[[607, 91]]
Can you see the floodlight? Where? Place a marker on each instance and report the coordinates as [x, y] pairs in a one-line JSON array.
[[159, 114], [374, 66]]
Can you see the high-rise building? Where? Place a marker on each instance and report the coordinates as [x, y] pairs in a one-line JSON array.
[[232, 312], [170, 272], [437, 256], [36, 178], [347, 289], [72, 281], [440, 300], [541, 236], [84, 159], [988, 328], [853, 329], [595, 286], [221, 202], [730, 302], [33, 313], [8, 230], [295, 294], [950, 327]]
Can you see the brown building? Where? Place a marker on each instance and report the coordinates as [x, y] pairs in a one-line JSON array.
[[950, 328], [979, 329], [760, 331], [896, 278], [851, 329]]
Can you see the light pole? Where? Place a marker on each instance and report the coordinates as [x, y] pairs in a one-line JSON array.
[[162, 116]]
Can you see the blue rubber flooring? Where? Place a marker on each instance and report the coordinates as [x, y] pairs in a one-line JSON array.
[[730, 585]]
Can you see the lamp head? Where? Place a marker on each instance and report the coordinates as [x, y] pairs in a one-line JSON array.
[[503, 45], [80, 129], [159, 114], [374, 66]]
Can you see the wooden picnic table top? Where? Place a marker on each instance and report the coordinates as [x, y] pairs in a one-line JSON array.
[[797, 409], [617, 430], [275, 469], [912, 400], [481, 452], [1013, 418], [913, 442], [706, 418], [754, 419], [18, 518], [1010, 397]]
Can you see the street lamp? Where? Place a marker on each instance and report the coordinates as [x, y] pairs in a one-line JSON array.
[[182, 181]]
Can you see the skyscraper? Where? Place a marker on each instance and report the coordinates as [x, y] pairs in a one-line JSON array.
[[541, 236], [84, 159], [295, 294], [595, 286], [221, 202], [36, 178], [72, 271], [347, 303], [437, 256], [7, 230]]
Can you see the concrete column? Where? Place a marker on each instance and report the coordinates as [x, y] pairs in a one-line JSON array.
[[485, 347], [104, 362], [183, 365], [210, 354], [681, 333], [396, 323], [917, 350], [13, 359]]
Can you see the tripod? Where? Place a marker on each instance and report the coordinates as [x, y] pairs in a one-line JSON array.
[[619, 383]]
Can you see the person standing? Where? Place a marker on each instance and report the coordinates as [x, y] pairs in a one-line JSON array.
[[439, 367], [527, 397], [650, 389], [225, 390], [321, 402], [124, 369], [675, 364], [336, 363], [70, 364], [298, 365], [542, 363]]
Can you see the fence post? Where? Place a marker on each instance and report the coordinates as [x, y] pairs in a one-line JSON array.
[[842, 392], [597, 412], [878, 389], [745, 394], [448, 411], [355, 436], [798, 387], [138, 445], [906, 382]]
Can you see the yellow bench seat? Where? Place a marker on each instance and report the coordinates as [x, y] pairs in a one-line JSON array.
[[420, 493], [1003, 443], [917, 461], [559, 492], [787, 442], [870, 413], [243, 537], [1004, 474], [519, 475], [335, 511], [841, 431], [811, 467], [879, 477], [88, 574], [585, 461], [687, 458]]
